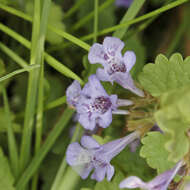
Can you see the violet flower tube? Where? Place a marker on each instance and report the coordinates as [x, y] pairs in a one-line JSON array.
[[160, 182], [91, 156], [116, 67], [93, 105]]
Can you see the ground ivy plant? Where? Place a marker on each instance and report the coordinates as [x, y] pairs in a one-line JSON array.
[[94, 95]]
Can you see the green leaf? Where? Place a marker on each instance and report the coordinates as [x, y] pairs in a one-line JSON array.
[[113, 185], [132, 164], [154, 151], [6, 177], [177, 143], [165, 75], [3, 122], [176, 104], [173, 119], [55, 19]]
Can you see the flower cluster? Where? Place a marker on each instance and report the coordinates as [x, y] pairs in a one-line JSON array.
[[94, 108]]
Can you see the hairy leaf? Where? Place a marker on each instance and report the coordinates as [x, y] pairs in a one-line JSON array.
[[154, 151], [165, 75]]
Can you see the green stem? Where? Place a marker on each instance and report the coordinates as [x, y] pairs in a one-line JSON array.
[[62, 168], [63, 34], [138, 19], [95, 20], [12, 146], [84, 20], [129, 15], [56, 103], [28, 68], [71, 38], [47, 145], [74, 8], [40, 60], [50, 60], [13, 55], [39, 121], [31, 92]]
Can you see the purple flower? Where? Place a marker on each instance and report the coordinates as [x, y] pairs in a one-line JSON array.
[[90, 155], [123, 3], [93, 105], [160, 182], [116, 66]]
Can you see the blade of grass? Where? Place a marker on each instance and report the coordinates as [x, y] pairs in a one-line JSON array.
[[129, 15], [31, 92], [136, 20], [56, 103], [87, 18], [96, 2], [38, 158], [12, 146], [59, 175], [71, 38], [13, 55], [28, 68], [50, 60], [16, 12], [40, 60], [63, 34], [74, 8]]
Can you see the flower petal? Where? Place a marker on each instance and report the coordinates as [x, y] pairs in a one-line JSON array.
[[133, 182], [105, 119], [87, 122], [83, 170], [102, 75], [129, 59], [114, 100], [162, 181], [93, 88], [99, 173], [126, 81], [89, 143], [73, 152], [113, 46], [113, 148], [96, 54], [110, 172], [73, 93]]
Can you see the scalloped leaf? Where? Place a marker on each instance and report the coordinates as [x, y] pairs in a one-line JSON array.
[[154, 151], [173, 118], [165, 75], [177, 142]]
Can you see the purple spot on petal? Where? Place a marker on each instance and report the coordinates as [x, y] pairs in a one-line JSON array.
[[106, 56]]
